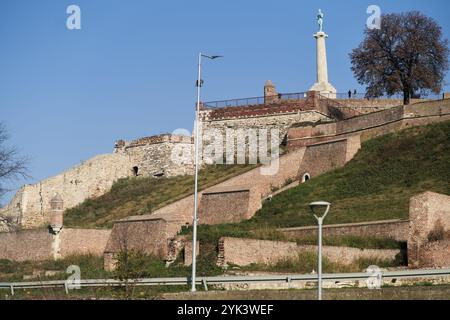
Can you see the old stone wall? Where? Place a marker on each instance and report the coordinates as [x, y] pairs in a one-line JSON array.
[[152, 156], [83, 241], [31, 205], [40, 244], [433, 255], [146, 234], [329, 155], [282, 121], [34, 245], [429, 215], [391, 229], [224, 205], [244, 252], [371, 125]]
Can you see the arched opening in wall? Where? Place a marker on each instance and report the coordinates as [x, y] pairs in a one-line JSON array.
[[136, 171], [306, 177]]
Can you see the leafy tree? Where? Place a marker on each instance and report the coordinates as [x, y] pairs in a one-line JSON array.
[[406, 55]]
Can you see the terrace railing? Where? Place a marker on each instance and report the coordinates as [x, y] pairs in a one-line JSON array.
[[361, 96], [255, 100], [302, 96]]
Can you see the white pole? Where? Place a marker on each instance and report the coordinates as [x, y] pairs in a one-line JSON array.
[[319, 268], [197, 146]]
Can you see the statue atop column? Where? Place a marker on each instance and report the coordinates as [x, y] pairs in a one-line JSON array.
[[320, 16], [322, 85]]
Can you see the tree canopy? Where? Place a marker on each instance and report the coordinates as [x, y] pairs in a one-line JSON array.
[[406, 55]]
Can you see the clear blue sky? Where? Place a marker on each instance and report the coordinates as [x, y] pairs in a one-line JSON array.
[[66, 96]]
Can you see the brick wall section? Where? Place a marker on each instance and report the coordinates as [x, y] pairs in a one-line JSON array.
[[391, 229], [34, 245], [428, 211], [244, 252], [224, 206], [146, 234], [323, 157], [83, 241], [153, 155], [40, 244], [434, 255], [371, 125], [188, 252], [31, 205], [326, 156]]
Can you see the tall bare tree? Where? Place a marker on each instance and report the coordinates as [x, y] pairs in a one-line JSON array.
[[406, 55], [12, 165]]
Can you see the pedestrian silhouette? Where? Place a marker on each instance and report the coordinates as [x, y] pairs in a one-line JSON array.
[[349, 94]]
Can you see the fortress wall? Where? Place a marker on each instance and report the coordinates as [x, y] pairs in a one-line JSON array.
[[434, 255], [371, 105], [149, 236], [151, 233], [224, 206], [32, 245], [374, 124], [275, 121], [31, 205], [429, 215], [392, 229], [244, 252], [40, 244], [83, 241], [369, 120], [156, 158], [88, 180], [326, 156]]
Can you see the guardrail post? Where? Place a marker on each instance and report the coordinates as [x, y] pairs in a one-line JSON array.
[[205, 284], [12, 289], [66, 288]]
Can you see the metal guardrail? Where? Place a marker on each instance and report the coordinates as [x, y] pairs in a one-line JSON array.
[[303, 95], [362, 96], [254, 100], [205, 281]]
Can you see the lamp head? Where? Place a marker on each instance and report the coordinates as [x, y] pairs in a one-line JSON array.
[[211, 57], [314, 206]]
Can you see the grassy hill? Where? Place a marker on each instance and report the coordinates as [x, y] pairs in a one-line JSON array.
[[137, 196], [376, 185]]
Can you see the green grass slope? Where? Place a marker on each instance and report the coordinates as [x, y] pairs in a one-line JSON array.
[[138, 196], [376, 185]]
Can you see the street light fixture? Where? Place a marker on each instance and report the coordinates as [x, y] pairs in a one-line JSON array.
[[314, 206], [199, 85]]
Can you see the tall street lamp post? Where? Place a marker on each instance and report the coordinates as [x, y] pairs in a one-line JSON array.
[[315, 207], [197, 156]]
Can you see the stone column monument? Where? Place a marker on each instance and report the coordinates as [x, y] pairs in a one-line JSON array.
[[322, 85]]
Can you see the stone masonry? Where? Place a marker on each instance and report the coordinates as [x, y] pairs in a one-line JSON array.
[[429, 232], [244, 252]]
